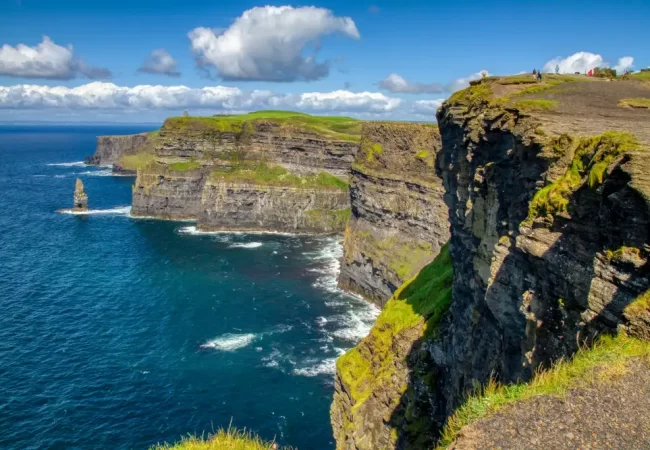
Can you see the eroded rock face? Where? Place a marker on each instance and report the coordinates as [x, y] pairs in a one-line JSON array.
[[80, 198], [528, 289], [399, 219], [191, 193], [111, 148]]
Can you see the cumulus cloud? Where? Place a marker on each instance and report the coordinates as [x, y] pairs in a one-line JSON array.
[[108, 96], [578, 62], [624, 63], [269, 44], [396, 84], [462, 83], [427, 106], [160, 62], [46, 60]]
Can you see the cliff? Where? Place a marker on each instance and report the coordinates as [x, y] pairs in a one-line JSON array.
[[110, 149], [399, 220], [267, 171], [548, 193]]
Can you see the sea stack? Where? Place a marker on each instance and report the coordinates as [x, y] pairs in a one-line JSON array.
[[80, 200]]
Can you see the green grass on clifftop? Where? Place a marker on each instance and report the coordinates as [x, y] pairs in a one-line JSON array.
[[332, 127], [420, 301], [264, 174], [640, 102], [603, 362], [592, 156], [230, 439]]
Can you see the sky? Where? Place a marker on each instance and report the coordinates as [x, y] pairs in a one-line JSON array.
[[143, 60]]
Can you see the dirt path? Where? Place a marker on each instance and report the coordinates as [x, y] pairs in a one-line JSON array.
[[591, 107], [611, 415]]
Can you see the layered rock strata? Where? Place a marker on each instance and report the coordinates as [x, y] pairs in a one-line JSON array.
[[399, 219], [549, 246], [111, 148]]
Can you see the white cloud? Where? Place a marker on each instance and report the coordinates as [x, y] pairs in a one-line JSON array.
[[427, 106], [160, 62], [108, 96], [397, 84], [624, 63], [462, 83], [578, 62], [584, 62], [268, 43], [46, 60]]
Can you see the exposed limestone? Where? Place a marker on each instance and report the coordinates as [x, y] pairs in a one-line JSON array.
[[80, 199], [550, 247], [399, 219], [176, 180], [111, 148]]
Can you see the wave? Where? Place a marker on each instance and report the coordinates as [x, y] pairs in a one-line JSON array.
[[195, 231], [117, 211], [69, 164], [330, 258], [230, 342], [325, 367], [356, 323], [102, 173], [246, 245]]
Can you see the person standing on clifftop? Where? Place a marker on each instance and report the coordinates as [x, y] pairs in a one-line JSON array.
[[557, 69]]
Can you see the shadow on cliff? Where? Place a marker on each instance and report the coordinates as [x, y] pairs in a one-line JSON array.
[[558, 286]]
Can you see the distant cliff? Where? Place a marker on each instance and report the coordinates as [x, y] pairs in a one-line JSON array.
[[399, 219], [268, 171], [111, 148], [550, 220]]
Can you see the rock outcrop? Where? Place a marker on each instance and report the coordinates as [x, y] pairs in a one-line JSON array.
[[399, 219], [110, 149], [549, 245], [80, 198], [249, 172]]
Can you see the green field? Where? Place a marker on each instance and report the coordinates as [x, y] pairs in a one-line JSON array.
[[333, 127]]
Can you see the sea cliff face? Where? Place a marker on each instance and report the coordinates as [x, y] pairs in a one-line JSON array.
[[549, 247], [399, 219], [111, 148], [236, 173]]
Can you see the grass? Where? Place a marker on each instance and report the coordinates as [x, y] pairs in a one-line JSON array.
[[536, 105], [420, 301], [644, 75], [136, 161], [184, 166], [230, 439], [592, 156], [264, 174], [640, 102], [333, 127], [640, 306], [601, 363], [334, 219]]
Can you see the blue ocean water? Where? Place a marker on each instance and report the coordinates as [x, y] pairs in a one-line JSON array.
[[120, 333]]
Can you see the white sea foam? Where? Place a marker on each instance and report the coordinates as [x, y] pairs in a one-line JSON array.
[[330, 259], [327, 366], [246, 245], [195, 231], [103, 173], [69, 164], [117, 211], [356, 323], [321, 321], [230, 342]]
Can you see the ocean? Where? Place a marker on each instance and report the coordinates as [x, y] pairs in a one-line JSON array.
[[118, 332]]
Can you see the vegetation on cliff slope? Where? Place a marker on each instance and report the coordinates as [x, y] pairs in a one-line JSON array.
[[592, 156], [420, 301], [604, 361], [332, 127], [230, 439], [264, 174], [639, 102]]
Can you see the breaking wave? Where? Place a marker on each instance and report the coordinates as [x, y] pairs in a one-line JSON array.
[[69, 164], [117, 211], [246, 245], [230, 342]]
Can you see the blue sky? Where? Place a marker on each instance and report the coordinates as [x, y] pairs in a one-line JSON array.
[[425, 42]]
